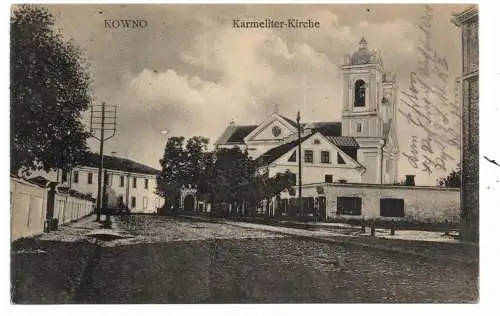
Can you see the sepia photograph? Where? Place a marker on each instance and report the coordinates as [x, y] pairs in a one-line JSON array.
[[244, 153]]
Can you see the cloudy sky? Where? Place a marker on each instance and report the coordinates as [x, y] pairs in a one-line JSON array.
[[190, 72]]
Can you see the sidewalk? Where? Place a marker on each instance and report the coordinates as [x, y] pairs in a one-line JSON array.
[[427, 245], [403, 234], [85, 229]]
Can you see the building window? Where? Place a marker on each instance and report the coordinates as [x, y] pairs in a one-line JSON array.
[[308, 156], [145, 183], [89, 178], [293, 157], [145, 202], [387, 166], [132, 201], [325, 157], [108, 179], [328, 178], [340, 160], [75, 177], [392, 207], [64, 176], [134, 182], [348, 205], [359, 93], [122, 181], [359, 127]]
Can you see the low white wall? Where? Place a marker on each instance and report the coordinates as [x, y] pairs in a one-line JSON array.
[[422, 204], [28, 208], [69, 208]]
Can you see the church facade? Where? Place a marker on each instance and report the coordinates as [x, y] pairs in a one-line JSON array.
[[361, 148]]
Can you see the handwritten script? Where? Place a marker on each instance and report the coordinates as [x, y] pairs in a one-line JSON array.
[[427, 106]]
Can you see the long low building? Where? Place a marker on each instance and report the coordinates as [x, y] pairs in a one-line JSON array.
[[374, 201], [129, 183]]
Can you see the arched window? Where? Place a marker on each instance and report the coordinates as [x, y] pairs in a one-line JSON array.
[[359, 93]]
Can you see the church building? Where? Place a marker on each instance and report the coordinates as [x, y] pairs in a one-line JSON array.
[[362, 148]]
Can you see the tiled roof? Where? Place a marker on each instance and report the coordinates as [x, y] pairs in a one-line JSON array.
[[343, 141], [276, 152], [240, 133], [348, 145], [117, 163], [235, 134]]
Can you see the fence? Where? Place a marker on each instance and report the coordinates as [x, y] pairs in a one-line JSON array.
[[28, 204], [34, 204], [69, 206]]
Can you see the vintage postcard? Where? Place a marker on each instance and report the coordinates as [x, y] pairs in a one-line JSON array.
[[244, 153]]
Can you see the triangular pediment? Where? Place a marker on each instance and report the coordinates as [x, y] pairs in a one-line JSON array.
[[317, 143], [274, 128]]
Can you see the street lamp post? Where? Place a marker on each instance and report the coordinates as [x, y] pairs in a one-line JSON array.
[[300, 163]]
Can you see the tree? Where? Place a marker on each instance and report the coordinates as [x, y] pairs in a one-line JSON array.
[[269, 187], [230, 178], [452, 180], [183, 163], [49, 91], [234, 181]]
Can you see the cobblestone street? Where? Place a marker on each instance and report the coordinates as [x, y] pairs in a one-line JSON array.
[[169, 260]]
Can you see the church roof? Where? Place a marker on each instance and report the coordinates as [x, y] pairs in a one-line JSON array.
[[347, 144], [276, 152], [235, 134], [364, 56], [343, 141], [327, 128], [294, 124]]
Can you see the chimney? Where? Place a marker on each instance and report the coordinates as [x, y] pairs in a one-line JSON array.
[[410, 180]]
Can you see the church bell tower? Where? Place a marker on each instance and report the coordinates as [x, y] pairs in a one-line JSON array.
[[369, 113]]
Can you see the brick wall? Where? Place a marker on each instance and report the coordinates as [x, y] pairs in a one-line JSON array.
[[470, 124], [470, 153]]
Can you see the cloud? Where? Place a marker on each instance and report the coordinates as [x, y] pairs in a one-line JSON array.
[[215, 73], [255, 69]]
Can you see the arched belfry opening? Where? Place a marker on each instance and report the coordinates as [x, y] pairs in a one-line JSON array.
[[359, 93]]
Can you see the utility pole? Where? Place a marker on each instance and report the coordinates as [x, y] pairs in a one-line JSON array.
[[102, 119], [300, 164]]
